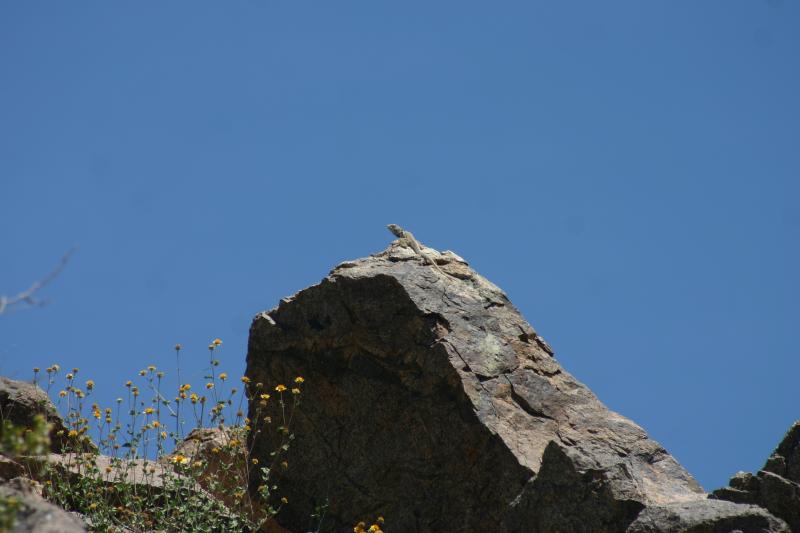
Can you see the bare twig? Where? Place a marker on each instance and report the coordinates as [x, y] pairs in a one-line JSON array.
[[28, 297]]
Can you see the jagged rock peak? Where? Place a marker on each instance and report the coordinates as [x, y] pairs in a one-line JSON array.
[[432, 401], [776, 487]]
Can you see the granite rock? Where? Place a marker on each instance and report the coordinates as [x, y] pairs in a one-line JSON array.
[[776, 487], [430, 400]]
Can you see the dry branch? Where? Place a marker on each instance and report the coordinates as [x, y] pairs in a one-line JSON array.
[[28, 297]]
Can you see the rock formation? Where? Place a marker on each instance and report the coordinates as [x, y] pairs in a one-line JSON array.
[[705, 516], [34, 514], [775, 487], [21, 401], [431, 401]]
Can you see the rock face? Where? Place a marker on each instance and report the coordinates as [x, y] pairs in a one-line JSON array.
[[709, 516], [431, 401], [34, 514], [776, 487], [21, 401]]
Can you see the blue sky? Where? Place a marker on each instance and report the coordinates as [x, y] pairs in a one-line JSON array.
[[626, 171]]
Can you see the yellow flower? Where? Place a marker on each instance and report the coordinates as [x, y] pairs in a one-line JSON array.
[[284, 500], [214, 450], [72, 433], [96, 414], [197, 464], [142, 372], [163, 434], [245, 379], [70, 376], [295, 391], [128, 383], [185, 387], [284, 464], [299, 379], [108, 470], [148, 411], [151, 368], [178, 347], [180, 459], [380, 520], [254, 461], [90, 384], [156, 423], [280, 388], [265, 397], [223, 376], [62, 393], [209, 386], [194, 397], [55, 368], [216, 342]]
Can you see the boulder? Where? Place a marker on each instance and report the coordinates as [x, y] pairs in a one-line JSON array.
[[33, 513], [21, 401], [429, 399], [776, 487], [709, 516], [224, 456]]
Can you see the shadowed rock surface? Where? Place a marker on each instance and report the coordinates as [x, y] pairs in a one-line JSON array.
[[776, 487], [709, 516], [431, 401], [21, 401]]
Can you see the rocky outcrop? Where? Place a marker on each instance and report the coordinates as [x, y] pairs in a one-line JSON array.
[[431, 401], [20, 402], [776, 487], [708, 516], [33, 513]]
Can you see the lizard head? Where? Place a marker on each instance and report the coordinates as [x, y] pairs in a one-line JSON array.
[[397, 230]]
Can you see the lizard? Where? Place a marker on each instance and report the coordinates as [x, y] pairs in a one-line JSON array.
[[407, 239]]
